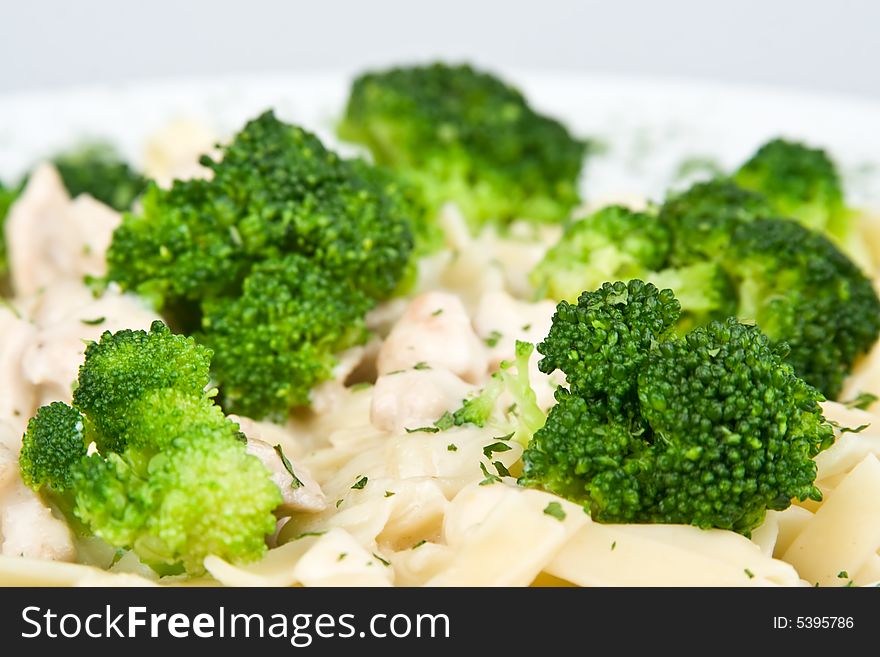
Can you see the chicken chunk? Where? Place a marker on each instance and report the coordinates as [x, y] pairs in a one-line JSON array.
[[19, 397], [415, 398], [51, 238], [435, 330], [27, 526], [307, 496], [51, 360]]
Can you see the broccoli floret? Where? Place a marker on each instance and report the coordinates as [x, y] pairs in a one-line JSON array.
[[702, 219], [52, 447], [610, 244], [704, 290], [278, 339], [276, 190], [714, 428], [201, 494], [798, 181], [170, 477], [121, 366], [601, 342], [463, 135], [617, 242], [521, 419], [801, 290], [98, 170], [211, 253], [803, 183], [727, 255]]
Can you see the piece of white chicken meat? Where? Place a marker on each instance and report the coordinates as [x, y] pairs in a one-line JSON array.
[[415, 398], [436, 332], [299, 490], [50, 237]]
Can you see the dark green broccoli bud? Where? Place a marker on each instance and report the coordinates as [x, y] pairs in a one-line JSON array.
[[800, 289], [587, 455], [601, 343], [121, 367], [702, 219], [52, 447], [734, 429], [98, 170], [613, 243], [799, 182], [715, 430], [465, 136], [278, 339]]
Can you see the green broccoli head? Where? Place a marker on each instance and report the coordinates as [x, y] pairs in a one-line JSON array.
[[279, 205], [614, 242], [276, 190], [181, 247], [719, 429], [704, 290], [800, 289], [588, 455], [98, 170], [702, 219], [52, 447], [121, 367], [278, 339], [465, 136], [170, 477], [798, 181], [601, 342], [722, 401], [202, 494]]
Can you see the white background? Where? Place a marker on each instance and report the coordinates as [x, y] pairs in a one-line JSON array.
[[822, 45]]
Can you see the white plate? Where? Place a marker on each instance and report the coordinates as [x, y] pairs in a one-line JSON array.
[[649, 126]]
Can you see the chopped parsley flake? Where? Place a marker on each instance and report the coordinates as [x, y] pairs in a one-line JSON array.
[[748, 572], [338, 503], [381, 560], [488, 450], [613, 545], [555, 509], [445, 421], [419, 544], [501, 468], [342, 556], [493, 338], [862, 401], [304, 534], [363, 385], [94, 322], [843, 575], [359, 484], [526, 327], [296, 483], [421, 365], [425, 429], [490, 478], [437, 312], [389, 493], [452, 447]]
